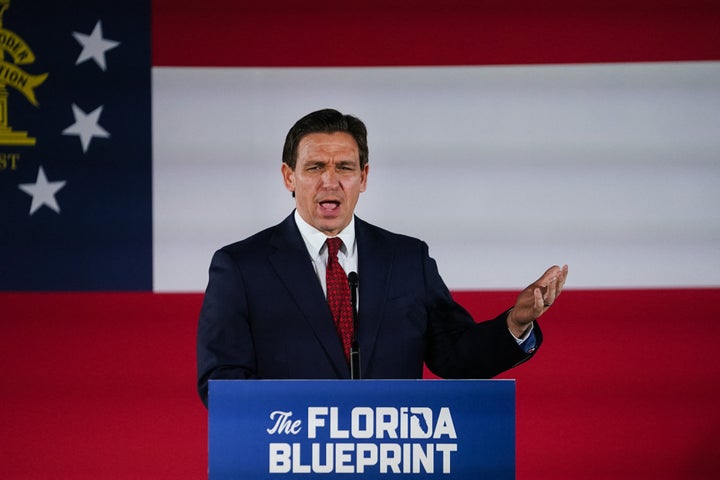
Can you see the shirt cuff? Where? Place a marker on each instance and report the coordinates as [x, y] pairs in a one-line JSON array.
[[527, 341]]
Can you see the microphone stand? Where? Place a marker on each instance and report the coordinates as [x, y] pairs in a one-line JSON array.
[[354, 346]]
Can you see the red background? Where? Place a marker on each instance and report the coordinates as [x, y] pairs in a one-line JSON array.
[[288, 33], [103, 386]]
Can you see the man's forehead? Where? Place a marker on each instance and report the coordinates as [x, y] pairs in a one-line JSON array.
[[327, 144]]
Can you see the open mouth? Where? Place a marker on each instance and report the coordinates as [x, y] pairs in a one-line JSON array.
[[329, 206]]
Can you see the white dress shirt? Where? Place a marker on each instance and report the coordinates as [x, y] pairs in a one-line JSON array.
[[315, 243]]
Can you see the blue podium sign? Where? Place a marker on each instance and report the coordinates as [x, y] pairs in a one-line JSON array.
[[329, 429]]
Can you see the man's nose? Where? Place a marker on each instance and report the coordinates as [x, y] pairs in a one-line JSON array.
[[330, 177]]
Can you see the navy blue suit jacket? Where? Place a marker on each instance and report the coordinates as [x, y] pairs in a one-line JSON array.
[[264, 315]]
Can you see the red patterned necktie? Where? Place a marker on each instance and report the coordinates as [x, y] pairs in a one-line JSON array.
[[338, 295]]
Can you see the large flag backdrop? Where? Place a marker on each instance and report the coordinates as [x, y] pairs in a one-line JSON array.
[[509, 135]]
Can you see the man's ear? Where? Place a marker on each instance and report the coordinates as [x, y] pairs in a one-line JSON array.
[[363, 182], [288, 177]]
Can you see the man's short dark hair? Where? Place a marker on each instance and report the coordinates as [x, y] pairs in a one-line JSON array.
[[325, 121]]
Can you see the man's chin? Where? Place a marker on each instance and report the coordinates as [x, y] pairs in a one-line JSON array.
[[332, 226]]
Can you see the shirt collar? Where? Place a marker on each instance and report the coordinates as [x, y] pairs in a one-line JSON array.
[[315, 239]]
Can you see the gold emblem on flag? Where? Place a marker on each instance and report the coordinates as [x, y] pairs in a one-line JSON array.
[[12, 75]]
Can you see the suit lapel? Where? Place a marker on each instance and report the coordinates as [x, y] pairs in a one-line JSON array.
[[294, 267], [374, 263]]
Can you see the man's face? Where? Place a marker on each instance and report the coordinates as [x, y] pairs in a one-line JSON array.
[[327, 180]]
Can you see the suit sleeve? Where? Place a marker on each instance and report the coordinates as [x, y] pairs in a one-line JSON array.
[[224, 343], [457, 345]]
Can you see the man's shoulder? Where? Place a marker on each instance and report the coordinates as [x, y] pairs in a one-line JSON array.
[[256, 240], [260, 241], [384, 235]]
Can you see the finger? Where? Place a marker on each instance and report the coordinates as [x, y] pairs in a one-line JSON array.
[[549, 274], [561, 280], [539, 302], [565, 270], [550, 293]]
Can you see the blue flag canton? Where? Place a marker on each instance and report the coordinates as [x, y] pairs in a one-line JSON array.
[[75, 146]]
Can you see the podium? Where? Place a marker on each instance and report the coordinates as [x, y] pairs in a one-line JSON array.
[[367, 429]]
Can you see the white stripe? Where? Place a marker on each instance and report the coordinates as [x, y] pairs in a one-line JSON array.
[[613, 169]]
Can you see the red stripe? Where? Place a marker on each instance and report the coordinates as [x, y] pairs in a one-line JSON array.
[[625, 386], [102, 386], [455, 32]]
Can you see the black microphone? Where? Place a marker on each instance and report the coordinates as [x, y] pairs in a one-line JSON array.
[[354, 346]]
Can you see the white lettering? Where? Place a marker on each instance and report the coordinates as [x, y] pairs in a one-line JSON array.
[[390, 456], [283, 424], [445, 425], [367, 456], [314, 420], [279, 458], [343, 458], [318, 467], [446, 449], [406, 457], [384, 458], [421, 422], [297, 466], [367, 422], [362, 422], [403, 422], [387, 422], [335, 432], [424, 457]]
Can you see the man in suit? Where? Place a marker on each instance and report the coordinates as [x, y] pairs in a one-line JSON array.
[[265, 312]]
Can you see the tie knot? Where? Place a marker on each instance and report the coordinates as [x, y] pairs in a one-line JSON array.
[[333, 246]]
